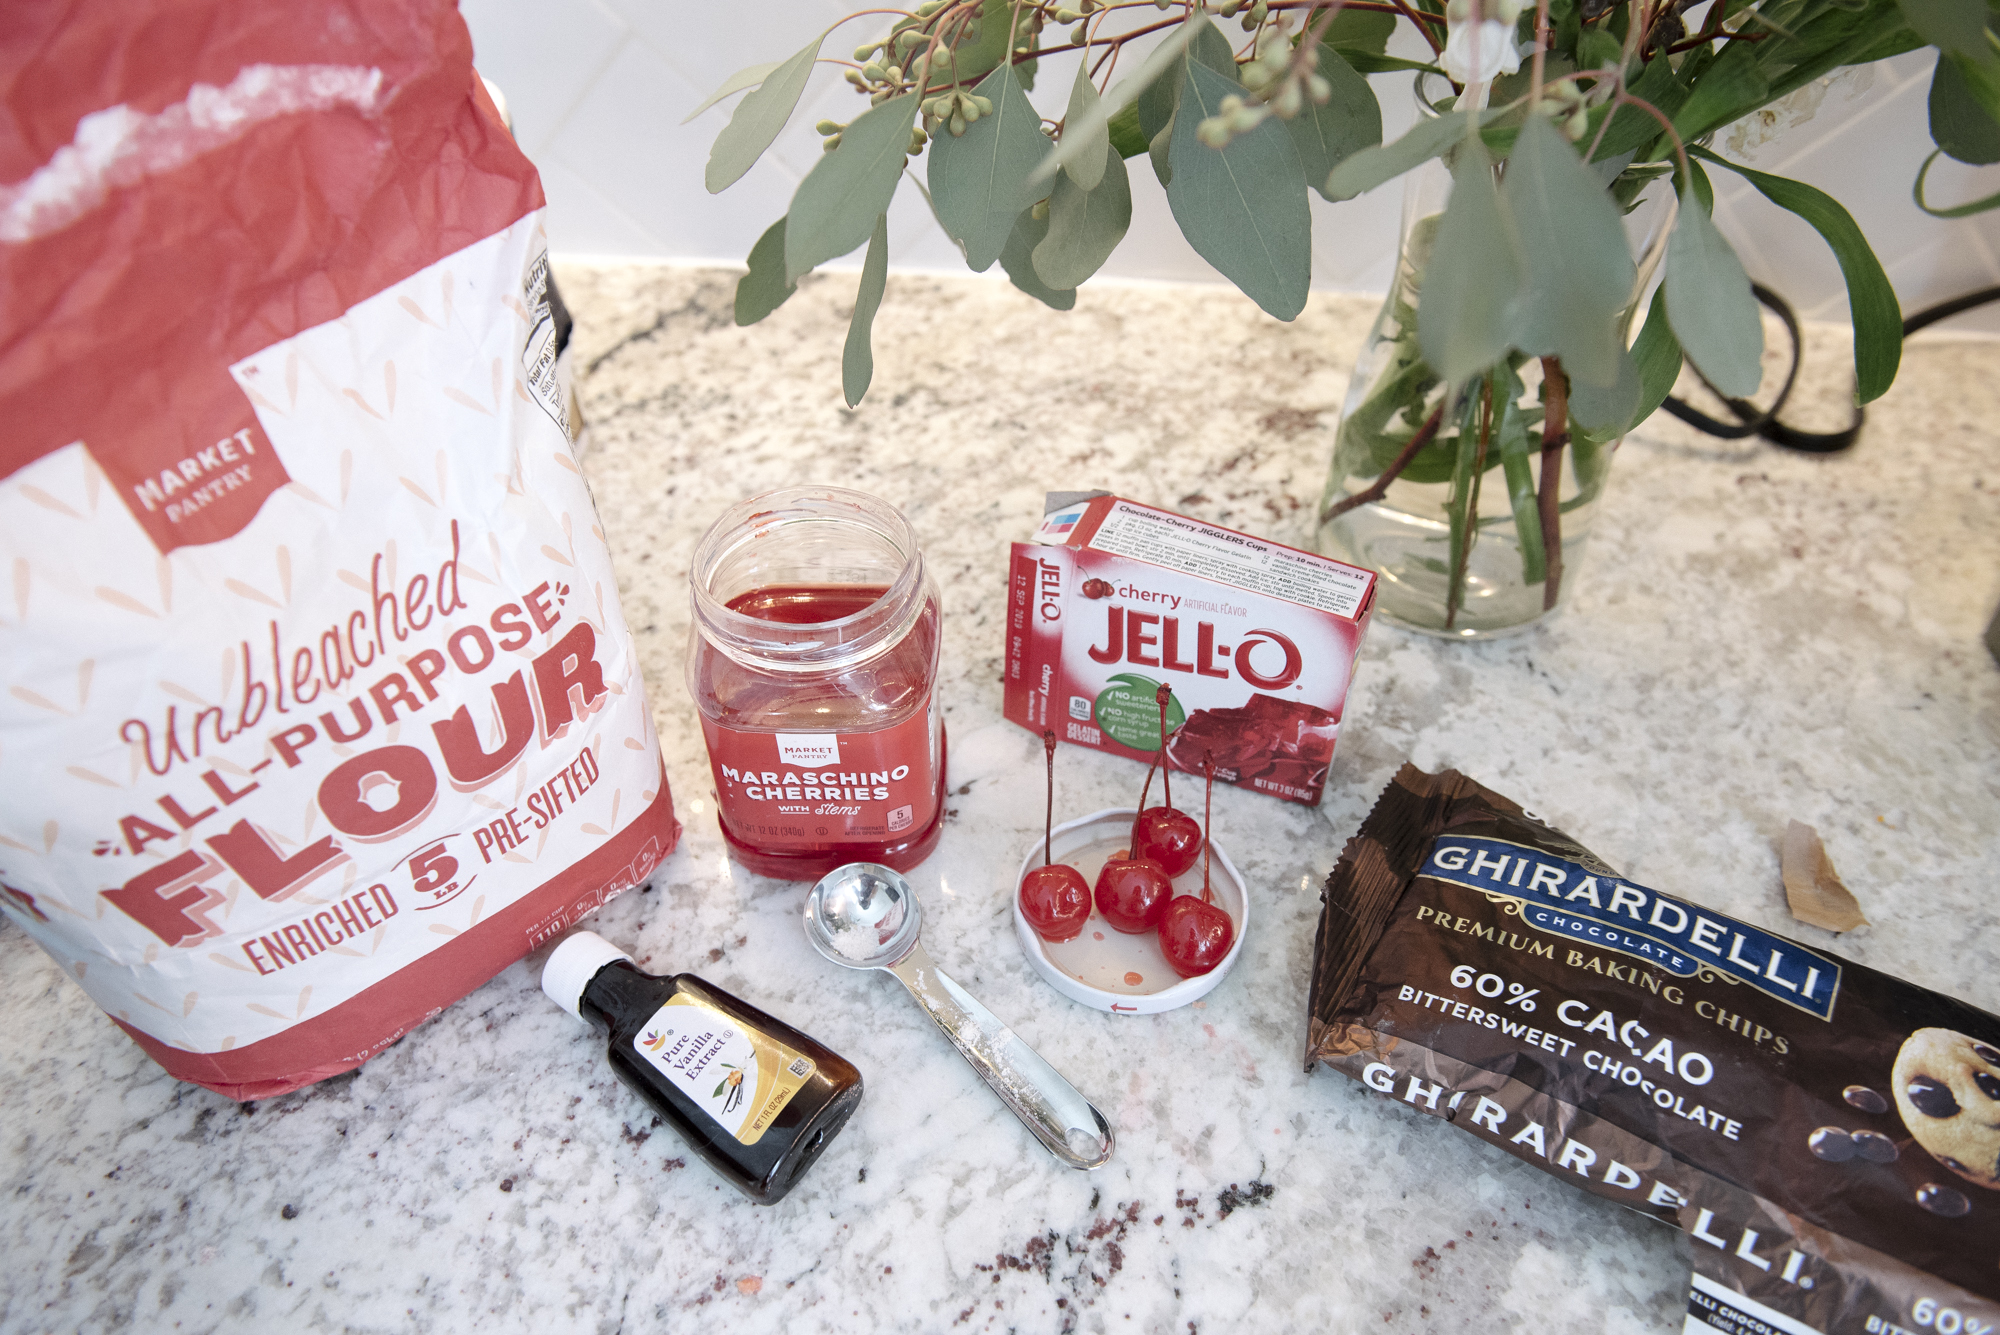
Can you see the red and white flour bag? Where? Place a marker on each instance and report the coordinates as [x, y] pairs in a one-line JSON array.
[[318, 705]]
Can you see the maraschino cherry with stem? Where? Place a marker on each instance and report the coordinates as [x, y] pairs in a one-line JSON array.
[[1195, 934], [1055, 899], [1163, 834], [1132, 892]]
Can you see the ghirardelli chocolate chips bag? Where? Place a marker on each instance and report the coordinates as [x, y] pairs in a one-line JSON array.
[[319, 708], [1828, 1136]]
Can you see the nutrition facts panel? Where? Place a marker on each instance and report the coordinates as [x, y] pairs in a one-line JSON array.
[[1243, 562]]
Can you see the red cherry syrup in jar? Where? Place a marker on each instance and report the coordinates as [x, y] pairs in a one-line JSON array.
[[813, 662]]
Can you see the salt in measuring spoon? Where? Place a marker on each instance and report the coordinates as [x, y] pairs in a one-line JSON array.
[[865, 916]]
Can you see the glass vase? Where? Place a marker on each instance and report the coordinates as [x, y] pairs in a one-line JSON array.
[[1464, 570]]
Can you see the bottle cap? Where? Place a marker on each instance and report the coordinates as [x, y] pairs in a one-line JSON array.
[[573, 964]]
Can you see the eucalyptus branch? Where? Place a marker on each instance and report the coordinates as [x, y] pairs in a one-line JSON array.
[[1379, 488], [1555, 435], [1542, 39], [1625, 99], [1469, 528]]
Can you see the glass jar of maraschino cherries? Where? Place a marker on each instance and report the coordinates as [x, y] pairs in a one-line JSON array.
[[813, 662], [1135, 887]]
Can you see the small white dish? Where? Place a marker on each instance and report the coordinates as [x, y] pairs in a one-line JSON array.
[[1124, 974]]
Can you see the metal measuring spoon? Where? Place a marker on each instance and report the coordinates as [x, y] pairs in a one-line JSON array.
[[865, 916]]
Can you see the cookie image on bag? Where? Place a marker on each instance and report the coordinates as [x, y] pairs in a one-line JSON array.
[[1947, 1087]]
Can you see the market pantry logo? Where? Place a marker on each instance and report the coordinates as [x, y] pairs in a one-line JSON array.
[[808, 750], [1567, 899]]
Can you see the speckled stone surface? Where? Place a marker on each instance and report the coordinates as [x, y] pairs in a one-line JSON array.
[[1754, 637]]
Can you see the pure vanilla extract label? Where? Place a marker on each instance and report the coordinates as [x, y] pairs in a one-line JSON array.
[[742, 1079]]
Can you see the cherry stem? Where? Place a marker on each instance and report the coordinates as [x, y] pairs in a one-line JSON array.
[[1164, 694], [1133, 852], [1207, 826], [1049, 816]]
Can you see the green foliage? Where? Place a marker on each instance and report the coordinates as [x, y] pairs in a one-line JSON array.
[[980, 180], [1084, 226], [1351, 119], [1018, 259], [1578, 271], [1871, 302], [1093, 144], [838, 203], [1713, 313], [1528, 259], [1465, 323], [757, 118], [1242, 207], [1960, 125], [857, 360], [765, 287]]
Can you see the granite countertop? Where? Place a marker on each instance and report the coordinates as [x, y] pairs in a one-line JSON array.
[[1754, 637]]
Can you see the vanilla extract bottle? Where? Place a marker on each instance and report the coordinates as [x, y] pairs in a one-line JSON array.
[[754, 1097]]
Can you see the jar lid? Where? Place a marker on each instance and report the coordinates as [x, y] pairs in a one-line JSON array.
[[573, 964]]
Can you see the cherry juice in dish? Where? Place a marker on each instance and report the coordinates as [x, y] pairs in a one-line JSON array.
[[813, 663]]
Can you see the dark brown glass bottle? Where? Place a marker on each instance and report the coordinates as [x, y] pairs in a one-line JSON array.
[[755, 1098]]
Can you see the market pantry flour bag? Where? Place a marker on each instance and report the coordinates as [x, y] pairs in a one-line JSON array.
[[319, 708]]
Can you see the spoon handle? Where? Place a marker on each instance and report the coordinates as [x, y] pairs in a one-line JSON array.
[[1050, 1106]]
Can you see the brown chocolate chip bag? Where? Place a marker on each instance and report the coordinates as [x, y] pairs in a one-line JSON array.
[[1828, 1136]]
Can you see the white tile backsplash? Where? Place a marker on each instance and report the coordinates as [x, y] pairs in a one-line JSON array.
[[598, 90]]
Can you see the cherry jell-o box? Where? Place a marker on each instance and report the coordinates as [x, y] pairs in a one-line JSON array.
[[1257, 640]]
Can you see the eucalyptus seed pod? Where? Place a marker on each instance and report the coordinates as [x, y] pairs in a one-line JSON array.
[[1213, 132], [1079, 34], [957, 126], [828, 127], [895, 73], [1066, 16], [854, 77], [984, 104], [1318, 89], [864, 52], [872, 72], [928, 8], [1039, 211], [1289, 100], [830, 143], [917, 140]]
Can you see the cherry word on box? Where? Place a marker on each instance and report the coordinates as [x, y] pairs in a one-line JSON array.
[[1258, 641]]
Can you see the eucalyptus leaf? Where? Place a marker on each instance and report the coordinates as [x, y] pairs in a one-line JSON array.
[[1085, 226], [1578, 271], [1658, 356], [857, 359], [1358, 30], [1242, 207], [1607, 413], [1871, 301], [1954, 26], [758, 118], [1351, 120], [1959, 124], [981, 180], [1364, 62], [835, 207], [1596, 49], [1017, 258], [1714, 315], [1087, 169], [1159, 151], [1207, 46], [974, 60], [1631, 127], [1474, 278], [1370, 167], [1159, 61], [1733, 85], [747, 77], [765, 287]]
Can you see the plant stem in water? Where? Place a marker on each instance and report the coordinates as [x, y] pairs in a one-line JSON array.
[[1379, 488], [1555, 421]]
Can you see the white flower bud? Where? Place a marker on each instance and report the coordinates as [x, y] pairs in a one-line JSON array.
[[1479, 52]]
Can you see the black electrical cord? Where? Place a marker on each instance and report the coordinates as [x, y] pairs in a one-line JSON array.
[[1755, 421]]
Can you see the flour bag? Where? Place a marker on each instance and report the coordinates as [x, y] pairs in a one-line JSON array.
[[318, 705]]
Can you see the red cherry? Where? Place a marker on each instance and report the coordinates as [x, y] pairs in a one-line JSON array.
[[1055, 900], [1133, 893], [1169, 837], [1195, 936]]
